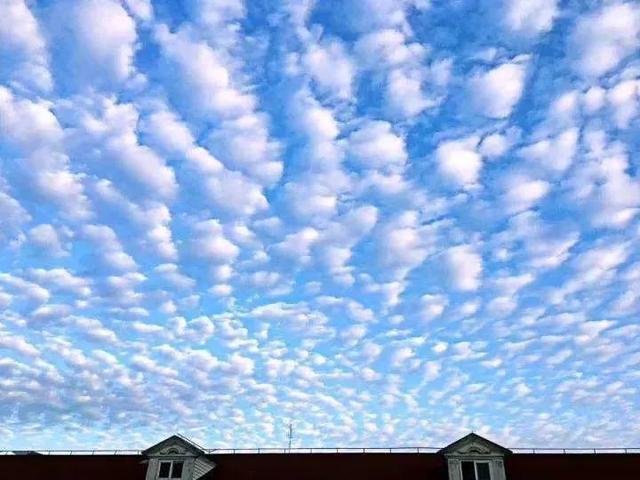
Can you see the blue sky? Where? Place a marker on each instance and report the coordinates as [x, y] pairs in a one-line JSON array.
[[388, 222]]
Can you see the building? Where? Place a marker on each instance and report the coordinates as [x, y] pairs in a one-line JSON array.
[[176, 458]]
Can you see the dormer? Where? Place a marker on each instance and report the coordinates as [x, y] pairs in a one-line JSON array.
[[176, 458], [475, 458]]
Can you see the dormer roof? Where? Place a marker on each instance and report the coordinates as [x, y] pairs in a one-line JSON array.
[[474, 444], [175, 444]]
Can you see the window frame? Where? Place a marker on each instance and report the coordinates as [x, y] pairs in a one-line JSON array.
[[475, 468], [171, 465]]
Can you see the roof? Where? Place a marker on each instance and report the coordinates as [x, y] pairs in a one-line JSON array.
[[475, 440], [327, 466], [178, 439]]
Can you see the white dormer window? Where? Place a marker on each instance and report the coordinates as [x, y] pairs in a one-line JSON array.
[[170, 469], [475, 470], [475, 458], [176, 458]]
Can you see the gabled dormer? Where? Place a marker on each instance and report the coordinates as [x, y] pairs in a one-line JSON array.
[[177, 458], [475, 458]]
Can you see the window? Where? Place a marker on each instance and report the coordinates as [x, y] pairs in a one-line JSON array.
[[165, 470], [172, 469], [176, 472], [476, 471]]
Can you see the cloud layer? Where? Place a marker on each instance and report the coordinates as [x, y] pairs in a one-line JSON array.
[[388, 222]]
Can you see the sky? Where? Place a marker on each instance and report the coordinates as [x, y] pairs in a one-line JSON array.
[[386, 222]]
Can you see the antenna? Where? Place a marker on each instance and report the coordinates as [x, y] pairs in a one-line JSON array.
[[290, 435]]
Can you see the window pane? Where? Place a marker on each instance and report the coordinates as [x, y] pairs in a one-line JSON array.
[[468, 471], [483, 471], [164, 469], [177, 470]]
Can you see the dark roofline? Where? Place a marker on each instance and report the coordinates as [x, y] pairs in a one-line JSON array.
[[326, 451]]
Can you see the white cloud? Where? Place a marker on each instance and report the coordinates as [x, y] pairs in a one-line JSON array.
[[244, 144], [353, 334], [316, 196], [521, 390], [221, 290], [432, 306], [137, 161], [264, 279], [46, 238], [218, 20], [153, 219], [231, 191], [597, 262], [511, 284], [22, 47], [98, 58], [405, 97], [624, 100], [18, 344], [502, 306], [167, 132], [594, 99], [432, 370], [369, 14], [314, 120], [403, 244], [603, 39], [205, 83], [387, 48], [12, 216], [459, 162], [494, 145], [530, 17], [604, 186], [61, 280], [31, 291], [374, 145], [522, 192], [596, 266], [589, 331], [339, 238], [390, 53], [555, 154], [440, 347], [209, 242], [141, 9], [400, 356], [59, 185], [27, 126], [297, 316], [109, 247], [496, 92], [298, 245], [369, 375], [546, 246], [235, 194], [240, 365], [171, 273], [331, 68], [464, 266], [313, 194], [389, 291], [93, 329]]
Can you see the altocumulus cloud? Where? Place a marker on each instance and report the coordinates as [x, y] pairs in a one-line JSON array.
[[354, 215]]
